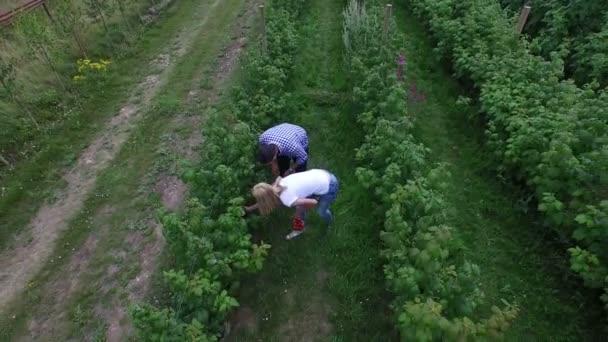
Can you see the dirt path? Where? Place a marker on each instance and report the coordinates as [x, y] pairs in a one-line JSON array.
[[171, 189], [21, 263], [127, 278]]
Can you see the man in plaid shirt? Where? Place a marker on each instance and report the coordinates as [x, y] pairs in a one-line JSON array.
[[281, 144]]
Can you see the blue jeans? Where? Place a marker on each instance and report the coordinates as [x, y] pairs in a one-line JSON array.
[[325, 200]]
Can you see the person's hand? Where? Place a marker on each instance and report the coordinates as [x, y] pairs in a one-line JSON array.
[[275, 168], [248, 209]]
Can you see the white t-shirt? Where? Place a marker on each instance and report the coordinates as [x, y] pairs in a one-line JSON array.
[[303, 185]]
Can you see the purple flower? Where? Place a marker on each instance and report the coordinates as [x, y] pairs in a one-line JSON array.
[[401, 60]]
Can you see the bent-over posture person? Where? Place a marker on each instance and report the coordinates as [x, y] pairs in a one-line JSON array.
[[298, 190], [281, 144]]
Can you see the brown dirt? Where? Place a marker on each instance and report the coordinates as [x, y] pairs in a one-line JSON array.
[[61, 288], [118, 329], [172, 190], [229, 58], [140, 285], [118, 326], [154, 11]]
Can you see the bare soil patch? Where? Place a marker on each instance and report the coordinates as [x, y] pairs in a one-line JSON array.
[[172, 190]]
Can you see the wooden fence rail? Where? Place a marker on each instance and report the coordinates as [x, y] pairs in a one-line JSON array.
[[7, 17]]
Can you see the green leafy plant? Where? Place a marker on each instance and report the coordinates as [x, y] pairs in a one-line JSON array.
[[210, 241], [436, 292], [546, 132], [69, 21], [8, 80], [92, 75], [262, 98]]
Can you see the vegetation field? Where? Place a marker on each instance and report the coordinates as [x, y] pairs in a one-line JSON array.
[[472, 164]]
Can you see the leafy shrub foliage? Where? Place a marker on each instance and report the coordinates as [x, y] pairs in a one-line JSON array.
[[263, 96], [209, 241], [436, 290], [546, 132], [576, 26]]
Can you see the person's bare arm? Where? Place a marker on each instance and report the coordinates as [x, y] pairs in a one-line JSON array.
[[275, 168], [251, 208], [292, 168], [307, 203], [303, 205], [276, 181]]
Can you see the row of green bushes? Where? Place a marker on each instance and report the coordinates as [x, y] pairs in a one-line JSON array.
[[437, 296], [210, 242], [545, 131], [579, 27], [263, 98]]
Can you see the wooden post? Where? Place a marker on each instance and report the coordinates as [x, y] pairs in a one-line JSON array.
[[6, 162], [105, 26], [523, 17], [79, 43], [387, 16], [103, 19], [264, 38], [48, 13], [74, 34]]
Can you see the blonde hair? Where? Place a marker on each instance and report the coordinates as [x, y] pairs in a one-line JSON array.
[[267, 196]]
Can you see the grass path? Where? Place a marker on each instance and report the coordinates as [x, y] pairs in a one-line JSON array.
[[109, 252], [39, 178], [518, 263], [20, 263], [327, 284]]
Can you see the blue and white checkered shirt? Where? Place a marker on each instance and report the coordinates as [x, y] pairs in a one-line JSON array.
[[291, 140]]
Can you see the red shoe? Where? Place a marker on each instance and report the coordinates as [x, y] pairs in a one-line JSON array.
[[298, 224]]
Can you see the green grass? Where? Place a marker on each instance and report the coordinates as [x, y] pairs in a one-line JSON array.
[[123, 198], [518, 261], [39, 177], [326, 284]]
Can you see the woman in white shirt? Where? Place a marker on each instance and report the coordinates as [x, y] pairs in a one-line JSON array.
[[298, 190]]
